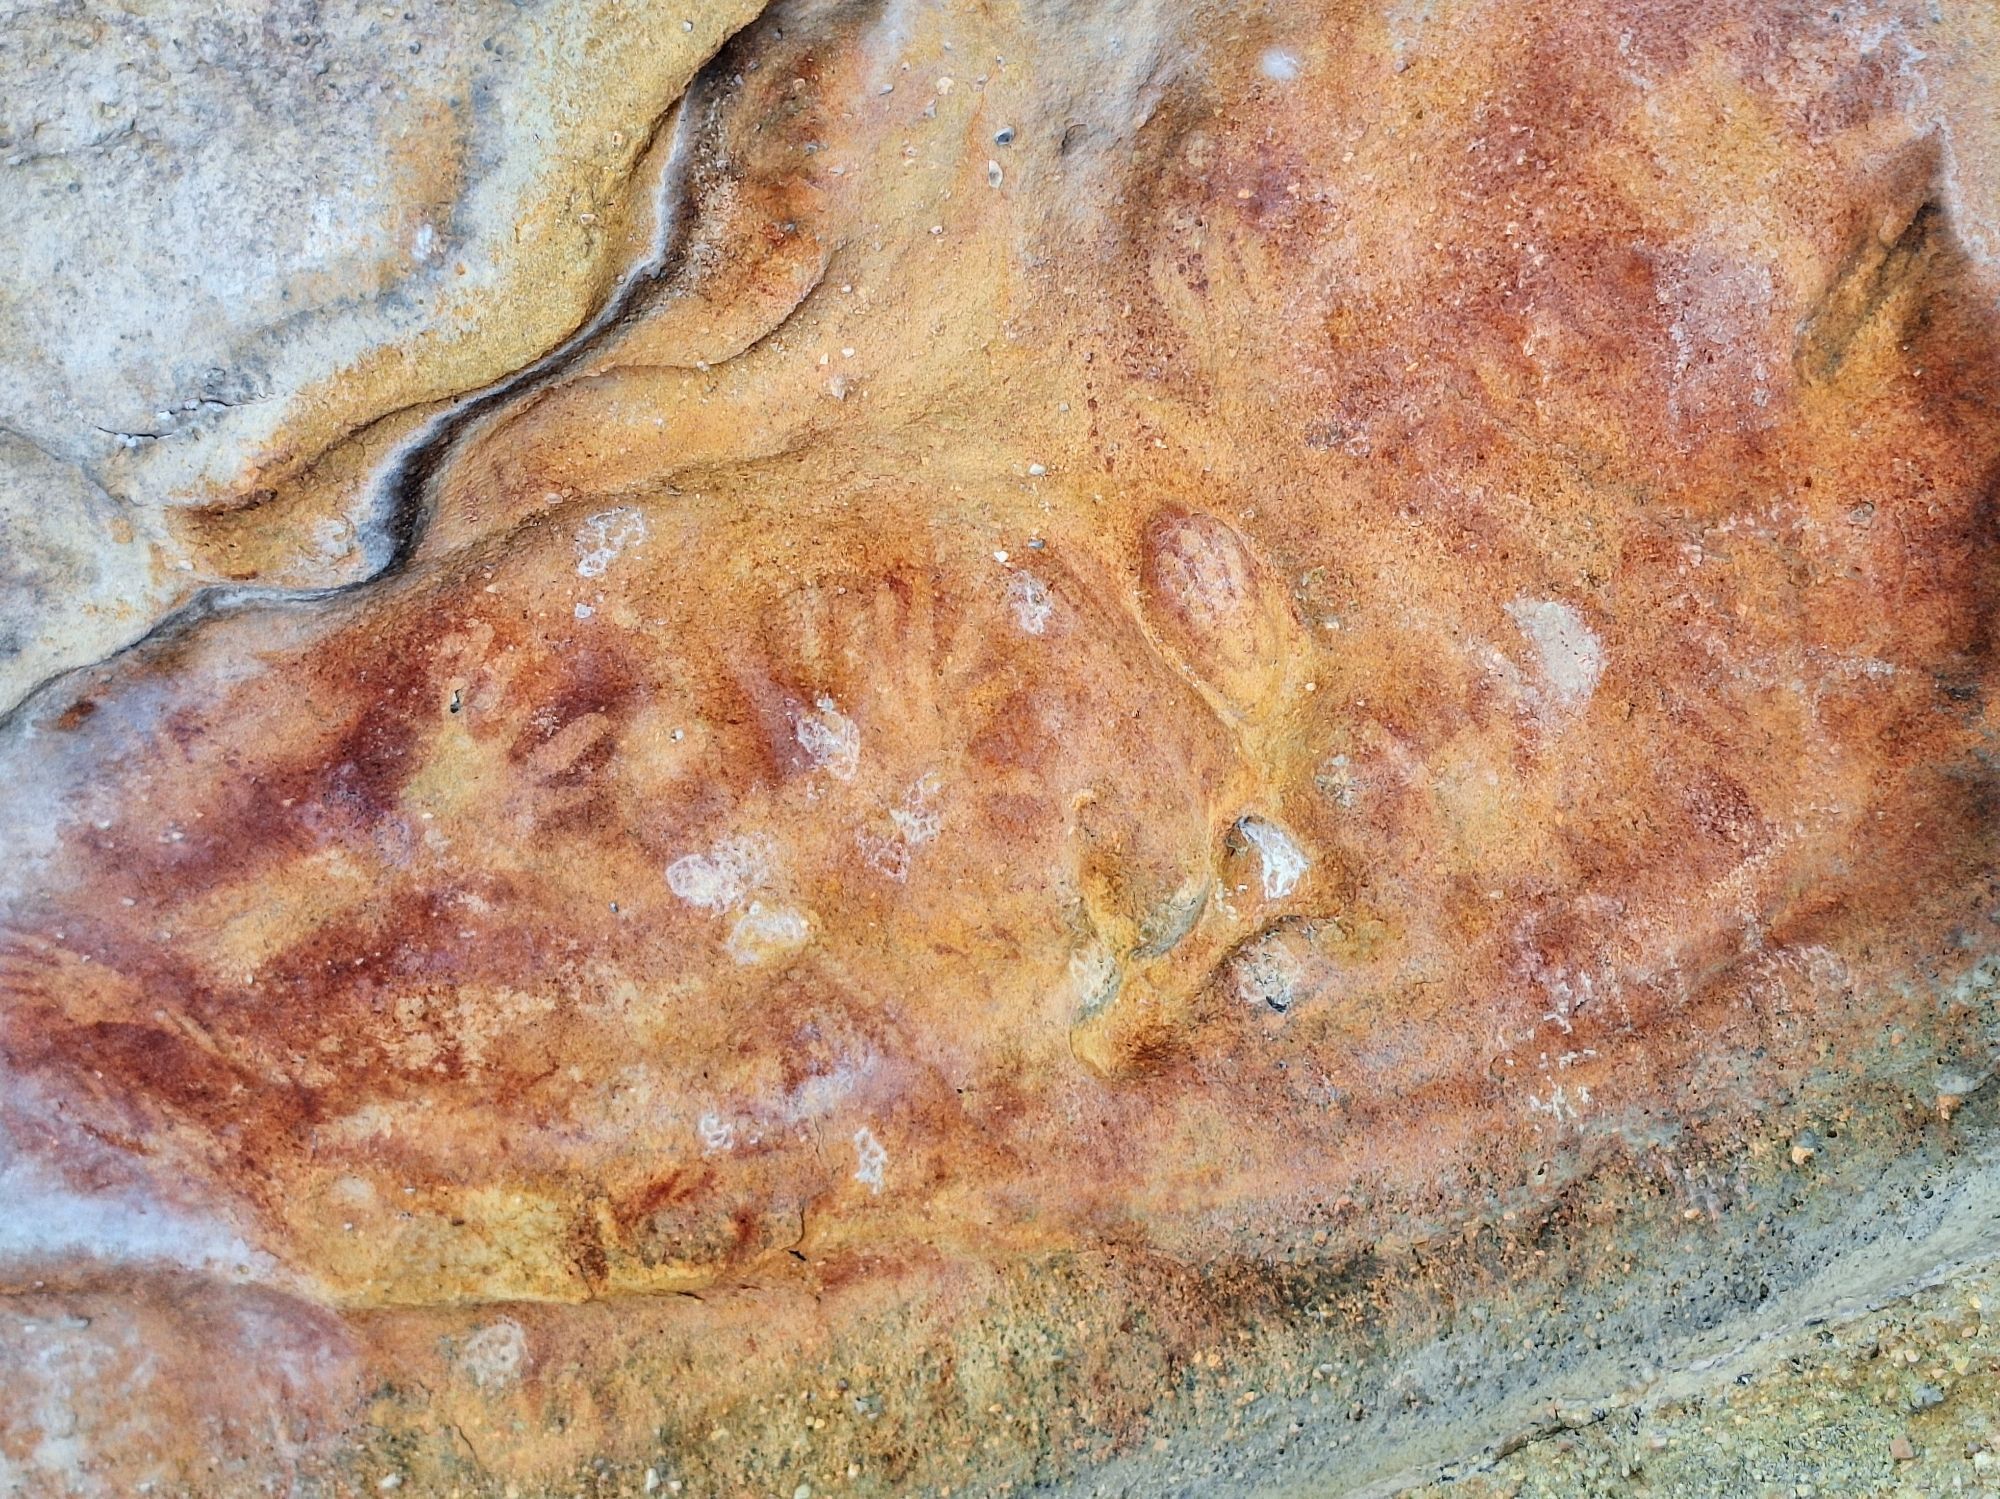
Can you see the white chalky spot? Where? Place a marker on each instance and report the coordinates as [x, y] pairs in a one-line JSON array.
[[1279, 65], [493, 1356], [917, 821], [717, 1134], [333, 538], [1094, 979], [872, 1159], [912, 825], [917, 825], [722, 877], [1284, 862], [1032, 602], [1570, 656], [603, 536], [1562, 1105], [831, 739], [765, 932], [888, 857], [584, 611]]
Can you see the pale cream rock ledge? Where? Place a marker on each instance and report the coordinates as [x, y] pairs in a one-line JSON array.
[[253, 246]]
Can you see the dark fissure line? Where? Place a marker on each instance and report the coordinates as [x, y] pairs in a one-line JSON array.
[[401, 502]]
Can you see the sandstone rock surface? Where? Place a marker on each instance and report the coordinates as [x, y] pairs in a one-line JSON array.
[[1050, 747]]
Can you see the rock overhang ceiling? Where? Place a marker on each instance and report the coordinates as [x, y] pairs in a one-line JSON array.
[[1055, 701]]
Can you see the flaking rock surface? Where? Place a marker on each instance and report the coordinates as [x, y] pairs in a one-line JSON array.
[[1078, 747]]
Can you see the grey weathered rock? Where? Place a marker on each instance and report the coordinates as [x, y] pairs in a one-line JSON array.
[[247, 235]]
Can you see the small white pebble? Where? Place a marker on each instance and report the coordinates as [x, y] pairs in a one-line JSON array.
[[999, 556], [393, 1481], [1036, 470], [584, 611]]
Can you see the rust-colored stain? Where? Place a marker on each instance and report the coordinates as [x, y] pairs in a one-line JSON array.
[[1372, 614]]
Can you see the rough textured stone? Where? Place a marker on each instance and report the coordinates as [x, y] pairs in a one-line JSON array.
[[1119, 748], [263, 242]]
